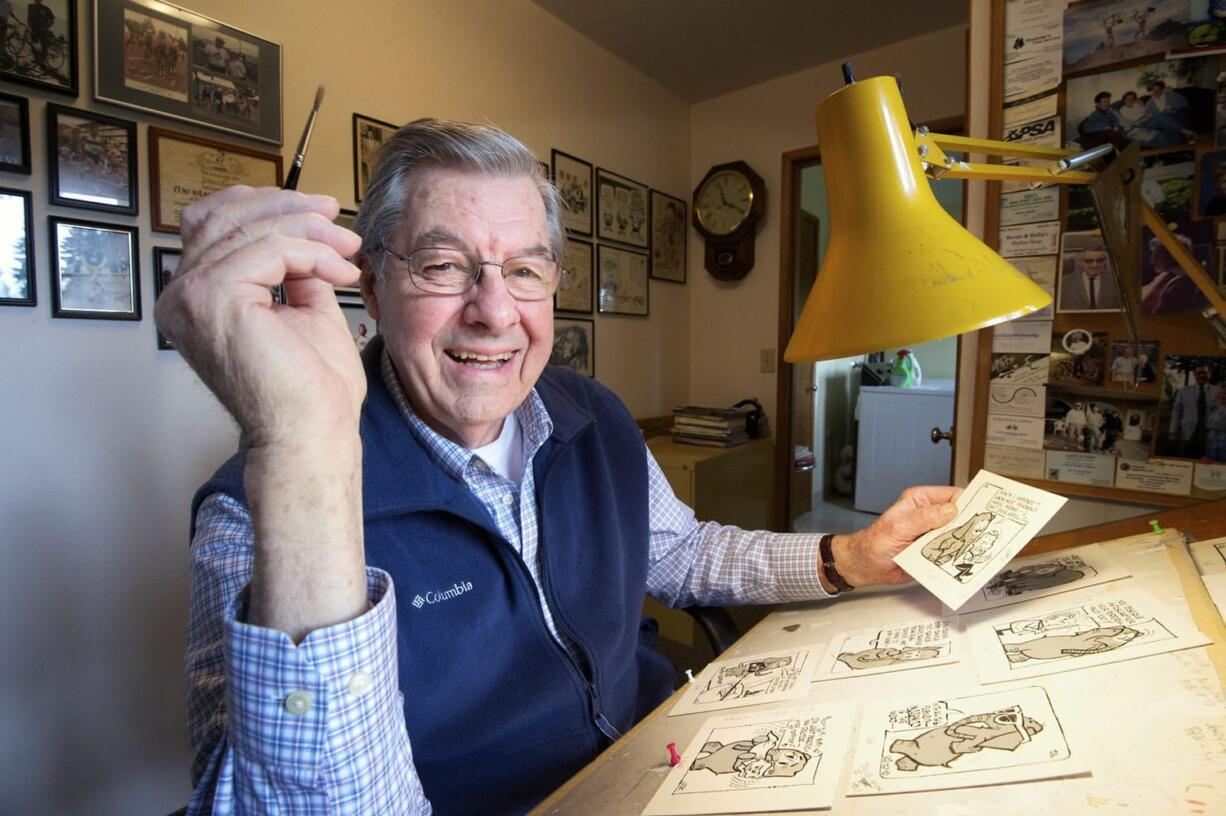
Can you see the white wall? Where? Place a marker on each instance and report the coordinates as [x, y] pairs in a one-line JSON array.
[[105, 438], [732, 322]]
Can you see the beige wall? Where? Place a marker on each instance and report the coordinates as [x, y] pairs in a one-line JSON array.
[[105, 438], [732, 322]]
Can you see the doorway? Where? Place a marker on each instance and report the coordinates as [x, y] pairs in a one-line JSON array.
[[817, 454]]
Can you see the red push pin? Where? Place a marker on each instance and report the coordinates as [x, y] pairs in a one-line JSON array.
[[674, 758]]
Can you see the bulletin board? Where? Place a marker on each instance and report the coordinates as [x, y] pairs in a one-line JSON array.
[[1063, 399]]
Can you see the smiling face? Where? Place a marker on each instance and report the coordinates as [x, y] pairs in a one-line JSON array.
[[466, 361]]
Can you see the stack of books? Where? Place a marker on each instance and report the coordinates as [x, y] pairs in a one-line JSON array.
[[713, 427]]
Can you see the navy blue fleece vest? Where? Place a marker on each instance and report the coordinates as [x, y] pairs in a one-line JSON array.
[[497, 712]]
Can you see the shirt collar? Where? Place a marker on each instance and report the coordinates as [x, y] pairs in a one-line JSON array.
[[454, 459]]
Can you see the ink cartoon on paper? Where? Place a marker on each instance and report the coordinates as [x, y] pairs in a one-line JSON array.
[[1073, 634], [751, 677], [1004, 730], [888, 648], [1035, 577], [773, 754]]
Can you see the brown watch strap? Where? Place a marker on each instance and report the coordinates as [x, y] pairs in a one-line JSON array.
[[826, 550]]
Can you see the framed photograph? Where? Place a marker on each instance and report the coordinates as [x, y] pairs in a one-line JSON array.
[[1211, 201], [575, 292], [184, 168], [1078, 357], [40, 45], [165, 264], [348, 295], [573, 178], [1192, 407], [157, 57], [1134, 365], [362, 327], [574, 345], [95, 270], [668, 220], [1168, 184], [1087, 282], [623, 281], [16, 248], [14, 134], [1102, 32], [91, 160], [1165, 287], [621, 209], [369, 136]]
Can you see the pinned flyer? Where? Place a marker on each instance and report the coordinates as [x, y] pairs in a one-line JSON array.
[[996, 518]]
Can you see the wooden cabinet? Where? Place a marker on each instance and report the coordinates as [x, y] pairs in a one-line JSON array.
[[728, 485]]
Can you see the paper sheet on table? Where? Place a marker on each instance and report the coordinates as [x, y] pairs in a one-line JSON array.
[[996, 518], [744, 681], [1216, 584], [758, 762], [960, 741], [1209, 555], [1075, 632], [1038, 576], [884, 649]]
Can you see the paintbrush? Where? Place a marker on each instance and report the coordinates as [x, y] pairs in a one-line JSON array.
[[295, 168]]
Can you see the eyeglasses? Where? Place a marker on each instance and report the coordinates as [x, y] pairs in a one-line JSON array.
[[445, 271]]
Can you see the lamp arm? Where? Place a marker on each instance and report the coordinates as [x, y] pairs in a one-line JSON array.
[[938, 165]]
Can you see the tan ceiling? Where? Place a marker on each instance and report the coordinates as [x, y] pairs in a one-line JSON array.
[[699, 49]]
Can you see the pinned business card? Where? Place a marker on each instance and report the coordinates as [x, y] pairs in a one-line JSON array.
[[996, 518]]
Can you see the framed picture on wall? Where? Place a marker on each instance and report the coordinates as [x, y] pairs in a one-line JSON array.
[[14, 134], [362, 327], [95, 270], [91, 160], [369, 136], [573, 178], [184, 168], [574, 345], [157, 57], [623, 283], [575, 292], [348, 295], [668, 218], [16, 249], [41, 45], [165, 264], [621, 209]]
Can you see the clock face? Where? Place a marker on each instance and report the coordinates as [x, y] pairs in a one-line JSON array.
[[724, 201]]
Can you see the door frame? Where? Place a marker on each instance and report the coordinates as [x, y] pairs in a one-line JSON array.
[[793, 162]]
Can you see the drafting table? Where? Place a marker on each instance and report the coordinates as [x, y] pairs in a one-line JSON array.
[[1175, 702]]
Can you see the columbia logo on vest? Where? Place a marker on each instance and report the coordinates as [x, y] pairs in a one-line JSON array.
[[438, 596]]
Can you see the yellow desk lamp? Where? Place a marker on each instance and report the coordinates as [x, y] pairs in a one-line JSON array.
[[898, 269]]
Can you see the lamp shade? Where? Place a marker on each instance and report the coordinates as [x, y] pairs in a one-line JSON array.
[[898, 269]]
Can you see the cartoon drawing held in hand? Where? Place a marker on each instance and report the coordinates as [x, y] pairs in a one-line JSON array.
[[965, 546]]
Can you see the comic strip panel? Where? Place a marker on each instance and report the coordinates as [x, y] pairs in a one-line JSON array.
[[890, 648], [778, 760], [1066, 638], [1038, 576], [743, 681], [960, 742]]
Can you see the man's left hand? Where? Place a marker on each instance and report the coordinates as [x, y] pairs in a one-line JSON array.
[[866, 557]]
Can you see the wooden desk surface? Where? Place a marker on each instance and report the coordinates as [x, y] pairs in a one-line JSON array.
[[1197, 522]]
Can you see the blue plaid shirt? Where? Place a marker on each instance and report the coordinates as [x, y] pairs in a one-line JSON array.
[[318, 728]]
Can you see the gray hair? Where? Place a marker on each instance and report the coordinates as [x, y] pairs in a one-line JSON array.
[[442, 144]]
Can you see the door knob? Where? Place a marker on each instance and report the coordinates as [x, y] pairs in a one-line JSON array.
[[937, 435], [812, 389]]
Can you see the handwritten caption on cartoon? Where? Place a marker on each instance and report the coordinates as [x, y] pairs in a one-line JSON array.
[[996, 518]]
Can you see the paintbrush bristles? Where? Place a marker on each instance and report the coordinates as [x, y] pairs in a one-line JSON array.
[[319, 97]]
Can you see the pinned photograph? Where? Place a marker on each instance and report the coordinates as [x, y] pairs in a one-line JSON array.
[[1089, 424], [1103, 32], [369, 136], [1168, 184], [1087, 279], [92, 160], [574, 345], [1134, 364], [1212, 198], [1157, 105], [1192, 419], [1165, 286], [1078, 357], [16, 250], [94, 270]]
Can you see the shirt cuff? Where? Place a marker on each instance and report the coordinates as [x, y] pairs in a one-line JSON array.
[[795, 562], [283, 699]]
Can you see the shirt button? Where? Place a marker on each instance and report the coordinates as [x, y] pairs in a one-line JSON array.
[[297, 703], [508, 499], [360, 683]]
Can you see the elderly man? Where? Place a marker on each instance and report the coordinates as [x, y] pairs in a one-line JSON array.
[[1190, 410], [420, 580], [1089, 285]]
